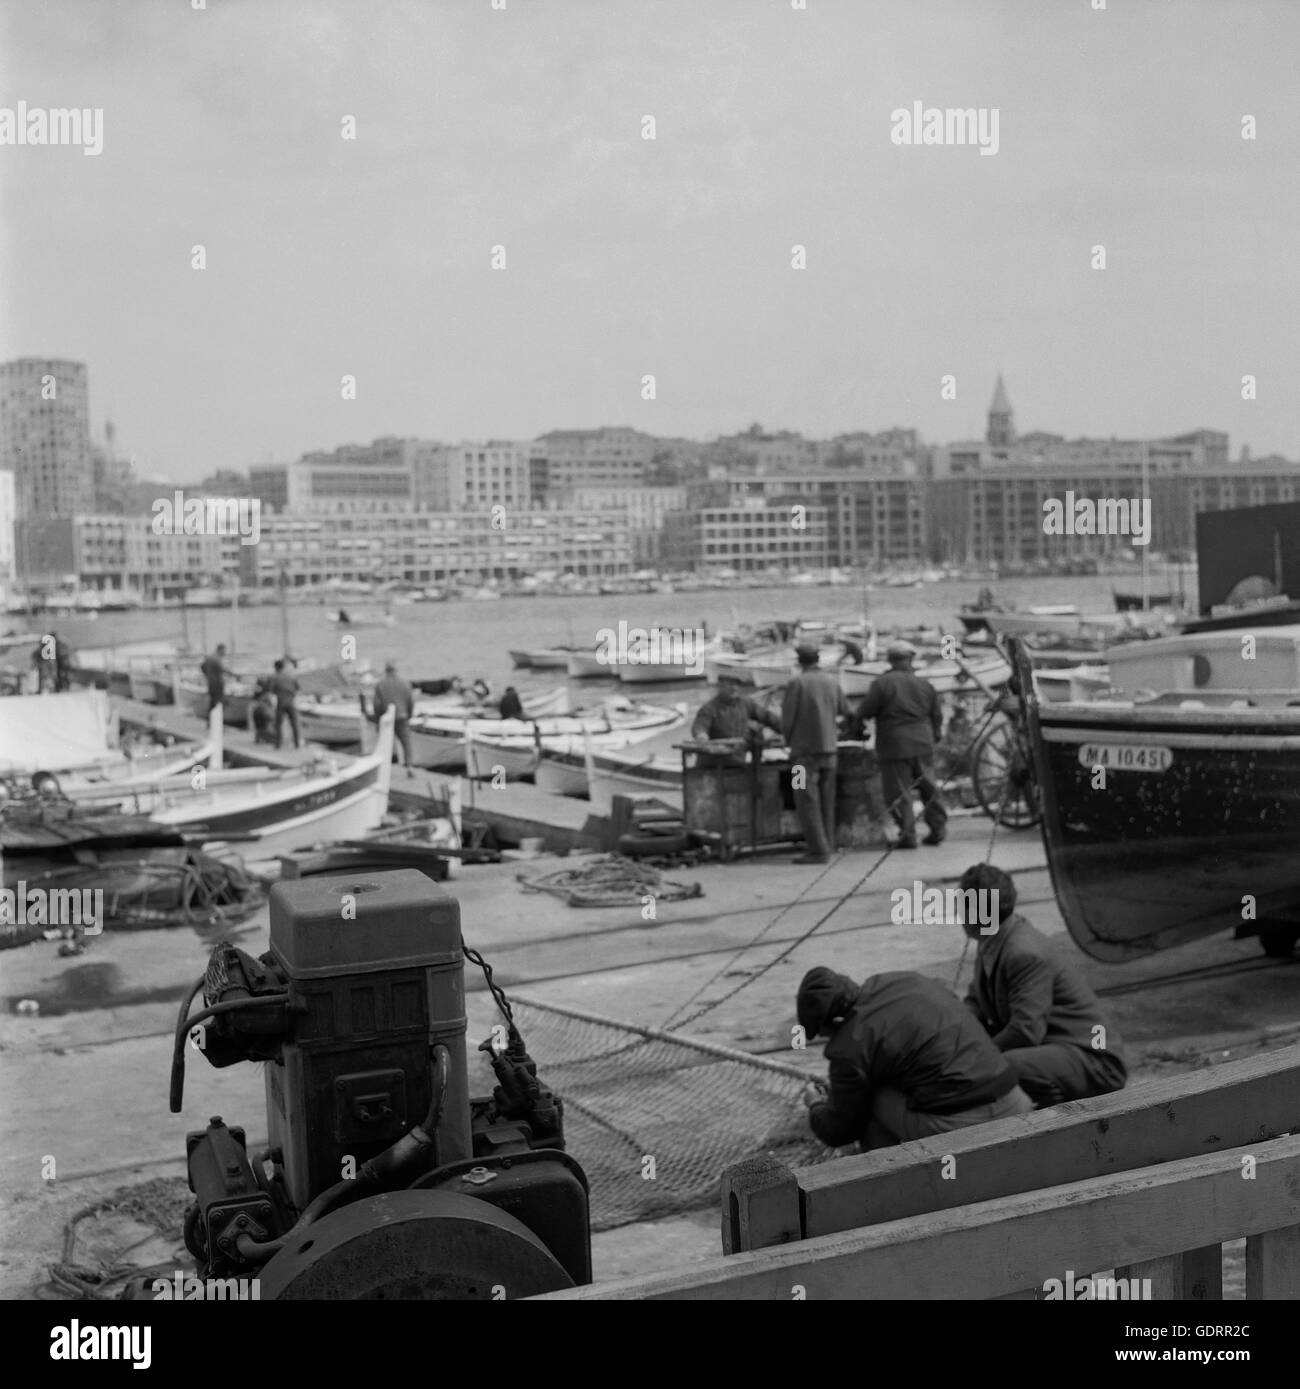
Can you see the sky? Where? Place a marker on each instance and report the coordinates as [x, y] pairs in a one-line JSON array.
[[522, 127]]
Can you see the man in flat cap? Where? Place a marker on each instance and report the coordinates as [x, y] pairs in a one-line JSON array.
[[810, 712], [909, 722], [732, 714], [906, 1060]]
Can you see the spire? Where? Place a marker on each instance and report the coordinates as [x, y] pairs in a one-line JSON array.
[[1001, 431], [1001, 405]]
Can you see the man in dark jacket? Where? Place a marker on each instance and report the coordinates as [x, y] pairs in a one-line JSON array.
[[511, 706], [215, 673], [1038, 1011], [810, 712], [906, 1060], [731, 715], [909, 721], [392, 689], [285, 689]]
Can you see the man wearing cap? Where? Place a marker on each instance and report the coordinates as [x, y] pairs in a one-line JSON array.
[[392, 689], [909, 721], [1038, 1010], [906, 1060], [810, 712], [730, 714]]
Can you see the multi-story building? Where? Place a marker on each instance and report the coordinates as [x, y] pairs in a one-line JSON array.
[[987, 499], [45, 435], [8, 519], [871, 521], [605, 457], [759, 536], [430, 547], [645, 507], [269, 483], [356, 477], [495, 473], [756, 453]]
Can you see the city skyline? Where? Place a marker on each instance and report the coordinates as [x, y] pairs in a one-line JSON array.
[[672, 257]]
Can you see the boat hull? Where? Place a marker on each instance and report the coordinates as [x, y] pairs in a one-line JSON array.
[[584, 665], [1162, 854]]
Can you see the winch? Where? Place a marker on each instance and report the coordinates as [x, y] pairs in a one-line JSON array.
[[383, 1177]]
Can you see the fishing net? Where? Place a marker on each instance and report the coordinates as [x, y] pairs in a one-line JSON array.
[[693, 1108]]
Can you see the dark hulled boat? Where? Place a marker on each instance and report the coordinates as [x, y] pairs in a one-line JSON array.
[[1172, 810]]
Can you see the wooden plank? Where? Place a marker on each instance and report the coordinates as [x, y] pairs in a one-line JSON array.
[[1193, 1276], [760, 1205], [1273, 1264], [999, 1247], [1225, 1106]]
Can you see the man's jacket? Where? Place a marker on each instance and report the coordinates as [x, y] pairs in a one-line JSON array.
[[908, 715], [906, 1032], [1025, 997], [809, 709]]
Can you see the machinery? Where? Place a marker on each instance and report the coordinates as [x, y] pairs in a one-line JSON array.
[[383, 1177]]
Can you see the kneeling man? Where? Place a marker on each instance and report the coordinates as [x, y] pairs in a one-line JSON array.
[[1037, 1010], [906, 1060]]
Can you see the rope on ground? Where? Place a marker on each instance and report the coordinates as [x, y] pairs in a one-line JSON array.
[[613, 881], [793, 946]]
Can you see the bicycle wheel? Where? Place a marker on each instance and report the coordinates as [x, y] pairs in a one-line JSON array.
[[1003, 774]]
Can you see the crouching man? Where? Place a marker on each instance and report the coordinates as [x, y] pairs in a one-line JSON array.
[[906, 1060], [1037, 1010]]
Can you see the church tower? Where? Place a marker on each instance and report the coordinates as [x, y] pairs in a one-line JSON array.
[[1001, 432]]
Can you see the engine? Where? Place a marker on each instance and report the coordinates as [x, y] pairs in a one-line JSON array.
[[383, 1177]]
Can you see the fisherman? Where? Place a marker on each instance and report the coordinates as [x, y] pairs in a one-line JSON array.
[[215, 673], [62, 665], [511, 706], [46, 670], [909, 720], [393, 690], [285, 689], [810, 710], [1038, 1010], [906, 1060], [263, 712]]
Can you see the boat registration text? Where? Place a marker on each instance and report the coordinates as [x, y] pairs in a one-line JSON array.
[[1126, 757]]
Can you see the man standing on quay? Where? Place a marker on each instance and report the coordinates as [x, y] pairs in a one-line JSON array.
[[810, 714], [909, 721]]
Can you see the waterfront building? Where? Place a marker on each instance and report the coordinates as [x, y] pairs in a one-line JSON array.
[[8, 520], [269, 483], [431, 547], [764, 534], [45, 435], [646, 508]]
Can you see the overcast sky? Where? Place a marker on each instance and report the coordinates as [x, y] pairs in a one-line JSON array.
[[522, 128]]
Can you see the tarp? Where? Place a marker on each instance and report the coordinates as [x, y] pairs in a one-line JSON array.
[[53, 732]]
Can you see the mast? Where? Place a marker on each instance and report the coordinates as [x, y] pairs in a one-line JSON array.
[[1146, 574]]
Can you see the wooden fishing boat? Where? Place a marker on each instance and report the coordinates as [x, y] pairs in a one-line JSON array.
[[1162, 813], [989, 668], [266, 813], [519, 755], [441, 742], [586, 665]]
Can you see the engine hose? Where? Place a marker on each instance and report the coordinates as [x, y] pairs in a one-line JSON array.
[[185, 1022], [370, 1174]]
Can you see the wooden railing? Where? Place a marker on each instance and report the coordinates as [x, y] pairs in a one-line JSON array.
[[1149, 1182]]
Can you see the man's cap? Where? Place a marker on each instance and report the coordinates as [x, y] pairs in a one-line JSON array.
[[391, 666], [899, 649], [807, 651], [823, 995]]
